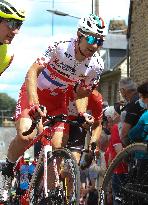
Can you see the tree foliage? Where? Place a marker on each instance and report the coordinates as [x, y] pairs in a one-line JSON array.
[[7, 106], [6, 102]]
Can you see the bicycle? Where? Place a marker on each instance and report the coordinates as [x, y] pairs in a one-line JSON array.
[[39, 192], [133, 189]]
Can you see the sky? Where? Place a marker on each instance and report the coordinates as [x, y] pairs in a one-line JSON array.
[[40, 25]]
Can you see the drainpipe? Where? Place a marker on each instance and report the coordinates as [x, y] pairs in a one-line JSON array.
[[128, 37], [128, 59], [97, 7]]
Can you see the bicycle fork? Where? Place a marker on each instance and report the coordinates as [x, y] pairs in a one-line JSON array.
[[43, 160], [47, 150]]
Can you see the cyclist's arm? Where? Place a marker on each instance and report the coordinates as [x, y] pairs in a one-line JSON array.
[[82, 100], [95, 105], [31, 83], [83, 90], [96, 132]]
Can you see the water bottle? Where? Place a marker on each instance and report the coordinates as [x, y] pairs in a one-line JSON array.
[[31, 169], [24, 179]]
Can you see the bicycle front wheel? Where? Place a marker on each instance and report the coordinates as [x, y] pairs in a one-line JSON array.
[[131, 189], [68, 192]]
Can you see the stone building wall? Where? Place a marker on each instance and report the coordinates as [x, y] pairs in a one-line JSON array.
[[139, 41], [109, 87], [109, 83]]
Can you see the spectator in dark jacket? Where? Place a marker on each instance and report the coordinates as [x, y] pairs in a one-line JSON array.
[[140, 132], [133, 109]]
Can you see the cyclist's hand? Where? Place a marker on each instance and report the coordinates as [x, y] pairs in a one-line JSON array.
[[93, 146], [37, 111]]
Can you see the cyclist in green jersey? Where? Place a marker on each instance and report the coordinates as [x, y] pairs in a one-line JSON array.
[[11, 19]]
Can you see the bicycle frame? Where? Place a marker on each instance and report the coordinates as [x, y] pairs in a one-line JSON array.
[[47, 149], [48, 155]]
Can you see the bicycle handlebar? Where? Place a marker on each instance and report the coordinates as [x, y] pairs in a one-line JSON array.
[[51, 120]]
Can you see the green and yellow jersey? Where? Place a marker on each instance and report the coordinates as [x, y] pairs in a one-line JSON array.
[[5, 57]]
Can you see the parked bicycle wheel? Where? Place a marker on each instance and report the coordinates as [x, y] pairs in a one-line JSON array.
[[68, 191], [133, 189]]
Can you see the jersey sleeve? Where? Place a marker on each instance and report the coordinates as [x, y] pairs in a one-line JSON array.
[[95, 74], [48, 54], [95, 102]]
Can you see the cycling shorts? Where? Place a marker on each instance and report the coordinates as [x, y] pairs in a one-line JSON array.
[[54, 104]]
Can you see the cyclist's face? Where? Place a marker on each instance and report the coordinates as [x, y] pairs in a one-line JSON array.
[[6, 33], [89, 49]]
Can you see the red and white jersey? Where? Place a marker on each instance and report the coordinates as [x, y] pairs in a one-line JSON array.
[[61, 69]]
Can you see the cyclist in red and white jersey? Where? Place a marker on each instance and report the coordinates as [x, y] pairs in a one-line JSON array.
[[65, 63]]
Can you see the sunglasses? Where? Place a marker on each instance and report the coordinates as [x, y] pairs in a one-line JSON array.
[[92, 40], [13, 23]]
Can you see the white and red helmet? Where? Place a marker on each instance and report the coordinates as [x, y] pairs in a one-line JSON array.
[[93, 24]]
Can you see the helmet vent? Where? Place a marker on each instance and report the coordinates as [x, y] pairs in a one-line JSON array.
[[8, 9], [100, 31], [89, 24], [5, 9]]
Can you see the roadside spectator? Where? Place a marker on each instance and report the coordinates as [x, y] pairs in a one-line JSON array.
[[89, 171], [133, 109], [140, 133], [103, 162], [140, 130], [105, 104], [103, 145], [115, 146]]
